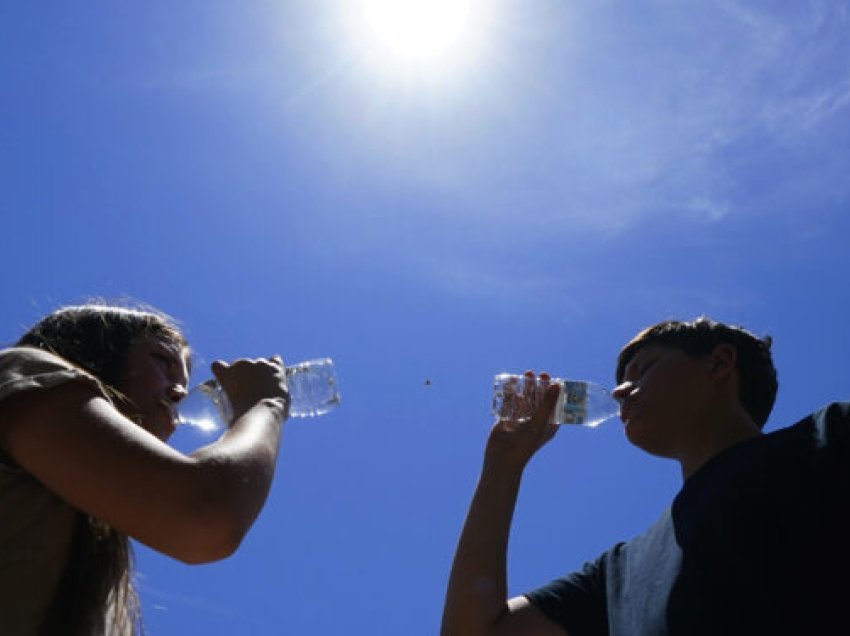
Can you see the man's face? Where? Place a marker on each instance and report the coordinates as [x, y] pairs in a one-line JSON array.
[[662, 397]]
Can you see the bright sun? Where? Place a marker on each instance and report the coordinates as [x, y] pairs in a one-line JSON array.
[[425, 33]]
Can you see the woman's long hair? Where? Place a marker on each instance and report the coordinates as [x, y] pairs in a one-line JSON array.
[[95, 594]]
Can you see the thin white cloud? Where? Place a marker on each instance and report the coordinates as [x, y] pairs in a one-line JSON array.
[[512, 290], [686, 118], [655, 130], [708, 209], [828, 103]]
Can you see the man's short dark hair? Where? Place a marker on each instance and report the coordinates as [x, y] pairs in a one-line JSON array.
[[758, 382]]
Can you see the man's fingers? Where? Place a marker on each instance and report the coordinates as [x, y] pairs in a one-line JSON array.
[[550, 432], [547, 406], [217, 366], [551, 395]]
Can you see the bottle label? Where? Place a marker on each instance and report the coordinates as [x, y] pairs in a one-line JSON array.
[[574, 403]]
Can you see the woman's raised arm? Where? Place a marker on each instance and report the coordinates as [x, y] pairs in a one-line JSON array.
[[195, 508]]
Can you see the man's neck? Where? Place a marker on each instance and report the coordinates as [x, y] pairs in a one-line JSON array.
[[722, 431]]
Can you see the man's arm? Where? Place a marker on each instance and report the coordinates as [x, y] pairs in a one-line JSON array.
[[476, 600]]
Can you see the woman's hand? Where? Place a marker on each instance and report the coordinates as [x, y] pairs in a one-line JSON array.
[[525, 425], [247, 382]]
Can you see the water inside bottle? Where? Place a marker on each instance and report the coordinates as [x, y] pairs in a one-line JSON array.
[[312, 390], [582, 403], [572, 403], [204, 408]]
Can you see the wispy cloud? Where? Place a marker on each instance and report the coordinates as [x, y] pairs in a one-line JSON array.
[[163, 600], [708, 209], [665, 117], [510, 289], [688, 114]]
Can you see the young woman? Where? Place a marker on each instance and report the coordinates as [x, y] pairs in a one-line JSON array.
[[88, 399]]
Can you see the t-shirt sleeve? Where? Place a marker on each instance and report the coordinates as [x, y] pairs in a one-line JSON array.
[[28, 368], [576, 602], [25, 368], [831, 426], [833, 423]]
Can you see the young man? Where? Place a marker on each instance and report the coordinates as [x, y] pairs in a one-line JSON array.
[[756, 542]]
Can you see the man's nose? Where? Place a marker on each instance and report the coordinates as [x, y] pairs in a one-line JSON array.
[[623, 390]]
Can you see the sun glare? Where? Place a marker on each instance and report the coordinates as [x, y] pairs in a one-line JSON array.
[[435, 34]]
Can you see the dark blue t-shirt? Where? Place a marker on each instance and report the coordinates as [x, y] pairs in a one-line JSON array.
[[756, 542]]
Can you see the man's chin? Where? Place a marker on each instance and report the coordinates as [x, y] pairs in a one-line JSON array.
[[638, 435]]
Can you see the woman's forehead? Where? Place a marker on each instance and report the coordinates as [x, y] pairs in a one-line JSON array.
[[173, 345]]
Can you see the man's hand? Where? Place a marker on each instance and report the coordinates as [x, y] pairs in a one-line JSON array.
[[526, 426], [477, 594]]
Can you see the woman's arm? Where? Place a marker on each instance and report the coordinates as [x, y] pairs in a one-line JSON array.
[[194, 508]]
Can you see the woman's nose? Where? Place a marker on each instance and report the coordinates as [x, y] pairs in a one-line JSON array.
[[177, 392]]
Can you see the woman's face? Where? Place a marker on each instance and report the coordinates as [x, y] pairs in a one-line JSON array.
[[154, 380]]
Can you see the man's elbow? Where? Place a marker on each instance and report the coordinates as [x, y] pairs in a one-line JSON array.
[[460, 622], [460, 625]]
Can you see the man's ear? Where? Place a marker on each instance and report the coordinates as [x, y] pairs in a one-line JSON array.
[[722, 361]]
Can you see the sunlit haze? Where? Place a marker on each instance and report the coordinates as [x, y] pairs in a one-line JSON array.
[[435, 35]]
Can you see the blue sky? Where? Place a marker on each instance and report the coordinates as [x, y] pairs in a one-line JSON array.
[[268, 175]]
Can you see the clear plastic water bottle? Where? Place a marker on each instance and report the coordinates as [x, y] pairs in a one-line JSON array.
[[583, 403], [312, 391]]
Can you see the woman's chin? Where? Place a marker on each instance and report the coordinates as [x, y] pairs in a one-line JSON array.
[[164, 429], [160, 427]]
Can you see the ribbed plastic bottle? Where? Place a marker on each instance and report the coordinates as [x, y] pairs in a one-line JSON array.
[[580, 402], [312, 391]]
